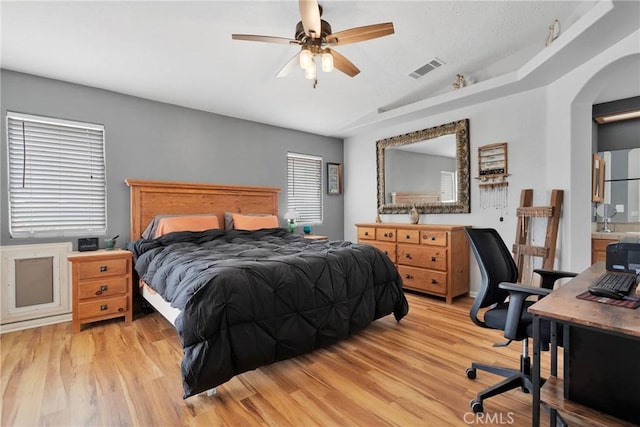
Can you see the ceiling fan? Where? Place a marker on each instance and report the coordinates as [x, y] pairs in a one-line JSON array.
[[316, 40]]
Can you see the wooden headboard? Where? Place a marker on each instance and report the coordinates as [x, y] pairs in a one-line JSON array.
[[151, 198]]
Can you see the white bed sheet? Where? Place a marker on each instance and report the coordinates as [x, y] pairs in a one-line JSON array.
[[162, 306]]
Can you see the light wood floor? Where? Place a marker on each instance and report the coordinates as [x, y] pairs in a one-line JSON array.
[[410, 373]]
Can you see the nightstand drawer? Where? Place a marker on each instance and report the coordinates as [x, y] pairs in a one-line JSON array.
[[102, 307], [108, 267], [103, 288]]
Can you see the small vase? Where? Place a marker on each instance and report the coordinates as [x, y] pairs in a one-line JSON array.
[[415, 216]]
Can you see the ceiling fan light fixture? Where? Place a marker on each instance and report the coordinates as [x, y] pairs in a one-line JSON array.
[[315, 37], [306, 59], [327, 62], [310, 73]]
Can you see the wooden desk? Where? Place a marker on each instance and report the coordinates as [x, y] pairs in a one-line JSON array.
[[562, 306]]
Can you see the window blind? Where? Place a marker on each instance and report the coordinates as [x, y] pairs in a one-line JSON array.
[[56, 183], [304, 182]]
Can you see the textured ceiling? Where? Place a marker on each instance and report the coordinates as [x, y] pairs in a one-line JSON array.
[[181, 52]]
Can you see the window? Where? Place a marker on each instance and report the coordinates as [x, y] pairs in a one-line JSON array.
[[304, 181], [448, 187], [56, 180]]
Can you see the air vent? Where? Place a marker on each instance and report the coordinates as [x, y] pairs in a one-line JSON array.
[[426, 68]]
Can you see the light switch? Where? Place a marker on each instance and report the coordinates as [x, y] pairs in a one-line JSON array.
[[620, 208]]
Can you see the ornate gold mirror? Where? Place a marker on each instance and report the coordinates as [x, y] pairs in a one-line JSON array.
[[428, 169]]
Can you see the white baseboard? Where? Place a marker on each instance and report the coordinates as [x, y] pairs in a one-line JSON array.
[[34, 323]]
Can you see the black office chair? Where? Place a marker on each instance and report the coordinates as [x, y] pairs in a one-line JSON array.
[[499, 274]]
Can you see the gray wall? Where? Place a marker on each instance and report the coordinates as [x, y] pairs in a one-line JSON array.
[[151, 140]]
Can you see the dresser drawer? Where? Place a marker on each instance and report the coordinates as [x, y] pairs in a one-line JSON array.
[[102, 307], [366, 233], [387, 248], [433, 238], [386, 234], [422, 256], [408, 236], [102, 288], [424, 280], [108, 267]]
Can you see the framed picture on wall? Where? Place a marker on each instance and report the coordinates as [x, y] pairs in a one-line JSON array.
[[597, 179], [334, 178]]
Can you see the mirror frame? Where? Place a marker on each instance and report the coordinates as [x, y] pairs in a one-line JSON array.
[[461, 129]]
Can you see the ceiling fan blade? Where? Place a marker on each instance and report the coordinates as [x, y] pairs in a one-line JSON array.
[[343, 64], [360, 34], [266, 39], [290, 66], [310, 14]]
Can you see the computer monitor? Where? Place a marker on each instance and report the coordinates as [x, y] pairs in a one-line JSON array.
[[623, 257]]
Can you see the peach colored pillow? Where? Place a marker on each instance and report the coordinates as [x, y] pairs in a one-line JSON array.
[[186, 223], [250, 222]]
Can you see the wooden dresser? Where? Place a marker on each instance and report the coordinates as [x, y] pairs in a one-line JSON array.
[[101, 284], [433, 259]]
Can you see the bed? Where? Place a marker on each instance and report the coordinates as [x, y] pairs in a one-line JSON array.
[[241, 299]]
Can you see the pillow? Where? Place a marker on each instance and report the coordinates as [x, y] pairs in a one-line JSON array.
[[228, 219], [164, 224], [252, 222]]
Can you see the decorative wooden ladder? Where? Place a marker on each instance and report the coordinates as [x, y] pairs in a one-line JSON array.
[[525, 213]]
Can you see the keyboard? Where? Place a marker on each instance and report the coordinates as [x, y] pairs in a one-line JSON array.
[[613, 285]]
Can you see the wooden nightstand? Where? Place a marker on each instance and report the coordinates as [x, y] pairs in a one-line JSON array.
[[101, 284], [315, 237]]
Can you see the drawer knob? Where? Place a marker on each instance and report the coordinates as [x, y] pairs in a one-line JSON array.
[[434, 282], [408, 236], [433, 237], [433, 259], [120, 309], [366, 233], [408, 276], [103, 288], [103, 268], [408, 255], [103, 307]]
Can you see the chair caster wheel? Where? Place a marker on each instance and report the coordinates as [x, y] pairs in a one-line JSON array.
[[471, 373], [476, 406]]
